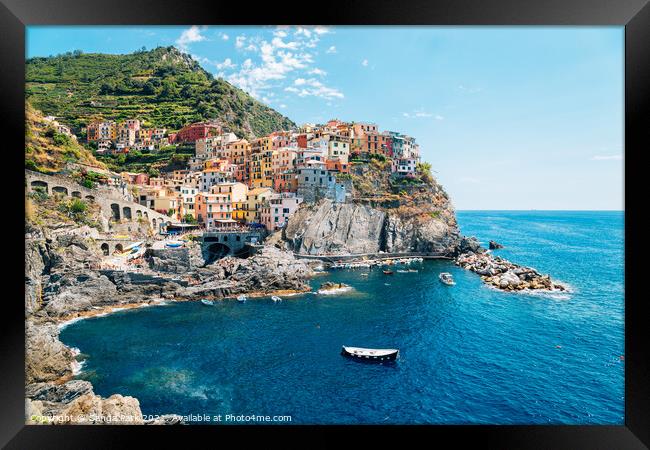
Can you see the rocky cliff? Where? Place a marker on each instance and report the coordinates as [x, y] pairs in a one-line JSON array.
[[385, 213]]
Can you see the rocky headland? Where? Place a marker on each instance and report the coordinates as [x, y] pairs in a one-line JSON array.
[[499, 272], [384, 214]]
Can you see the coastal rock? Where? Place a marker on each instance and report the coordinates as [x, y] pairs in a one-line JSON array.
[[77, 291], [59, 393], [418, 234], [169, 260], [46, 358], [270, 270], [493, 245], [91, 409], [503, 274], [469, 245], [329, 228], [335, 228]]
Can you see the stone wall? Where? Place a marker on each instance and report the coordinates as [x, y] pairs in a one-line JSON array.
[[112, 204]]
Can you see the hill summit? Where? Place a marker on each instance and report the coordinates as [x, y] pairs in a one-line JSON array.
[[164, 87]]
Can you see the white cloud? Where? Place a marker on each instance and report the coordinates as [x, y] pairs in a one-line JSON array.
[[283, 105], [240, 41], [364, 63], [283, 61], [192, 34], [224, 36], [607, 158], [226, 64], [317, 71], [320, 30], [279, 43], [420, 113], [332, 49]]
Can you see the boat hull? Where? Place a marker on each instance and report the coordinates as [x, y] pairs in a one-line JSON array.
[[365, 357]]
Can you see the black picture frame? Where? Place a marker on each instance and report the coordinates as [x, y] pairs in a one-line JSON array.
[[634, 15]]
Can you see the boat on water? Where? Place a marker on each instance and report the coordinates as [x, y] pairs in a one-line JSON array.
[[207, 302], [447, 279], [276, 299], [241, 298], [413, 270], [402, 271], [370, 354], [173, 244], [388, 272]]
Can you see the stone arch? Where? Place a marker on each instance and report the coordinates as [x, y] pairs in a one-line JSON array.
[[76, 194], [37, 184], [138, 213], [153, 221], [126, 212], [60, 190], [105, 249], [90, 198], [115, 209], [215, 251], [118, 249], [146, 214]]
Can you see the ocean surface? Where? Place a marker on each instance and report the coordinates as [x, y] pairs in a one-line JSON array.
[[470, 354]]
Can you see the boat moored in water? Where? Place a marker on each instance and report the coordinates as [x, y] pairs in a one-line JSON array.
[[447, 279], [370, 354], [388, 272], [207, 302], [241, 298], [276, 299]]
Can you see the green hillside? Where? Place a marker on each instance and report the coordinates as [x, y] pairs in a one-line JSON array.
[[163, 87]]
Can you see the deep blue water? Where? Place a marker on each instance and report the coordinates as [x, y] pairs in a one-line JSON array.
[[469, 354]]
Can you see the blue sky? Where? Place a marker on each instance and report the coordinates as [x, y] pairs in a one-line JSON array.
[[509, 117]]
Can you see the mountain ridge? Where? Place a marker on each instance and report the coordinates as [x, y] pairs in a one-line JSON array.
[[164, 87]]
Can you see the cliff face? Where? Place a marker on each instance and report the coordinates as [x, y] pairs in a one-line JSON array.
[[328, 227], [385, 214]]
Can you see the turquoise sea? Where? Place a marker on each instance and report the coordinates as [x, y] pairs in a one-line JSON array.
[[469, 354]]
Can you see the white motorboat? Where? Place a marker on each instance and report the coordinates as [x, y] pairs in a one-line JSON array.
[[447, 279], [207, 302], [370, 354], [276, 299], [241, 298]]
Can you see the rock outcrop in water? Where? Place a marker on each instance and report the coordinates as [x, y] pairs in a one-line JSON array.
[[503, 274]]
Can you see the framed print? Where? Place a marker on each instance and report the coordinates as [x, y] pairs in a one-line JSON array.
[[365, 220]]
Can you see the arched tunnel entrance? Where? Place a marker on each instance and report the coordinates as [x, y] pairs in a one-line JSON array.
[[105, 249], [213, 251]]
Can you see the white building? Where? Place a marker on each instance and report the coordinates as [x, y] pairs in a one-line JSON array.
[[278, 208]]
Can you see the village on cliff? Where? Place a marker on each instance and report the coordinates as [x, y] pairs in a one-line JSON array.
[[232, 181]]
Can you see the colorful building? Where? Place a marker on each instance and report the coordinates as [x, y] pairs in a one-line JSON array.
[[278, 208]]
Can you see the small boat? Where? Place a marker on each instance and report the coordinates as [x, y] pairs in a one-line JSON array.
[[207, 302], [388, 272], [241, 298], [413, 270], [276, 299], [173, 244], [447, 279], [402, 271], [370, 354]]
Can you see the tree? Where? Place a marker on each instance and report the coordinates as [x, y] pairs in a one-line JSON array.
[[189, 218]]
